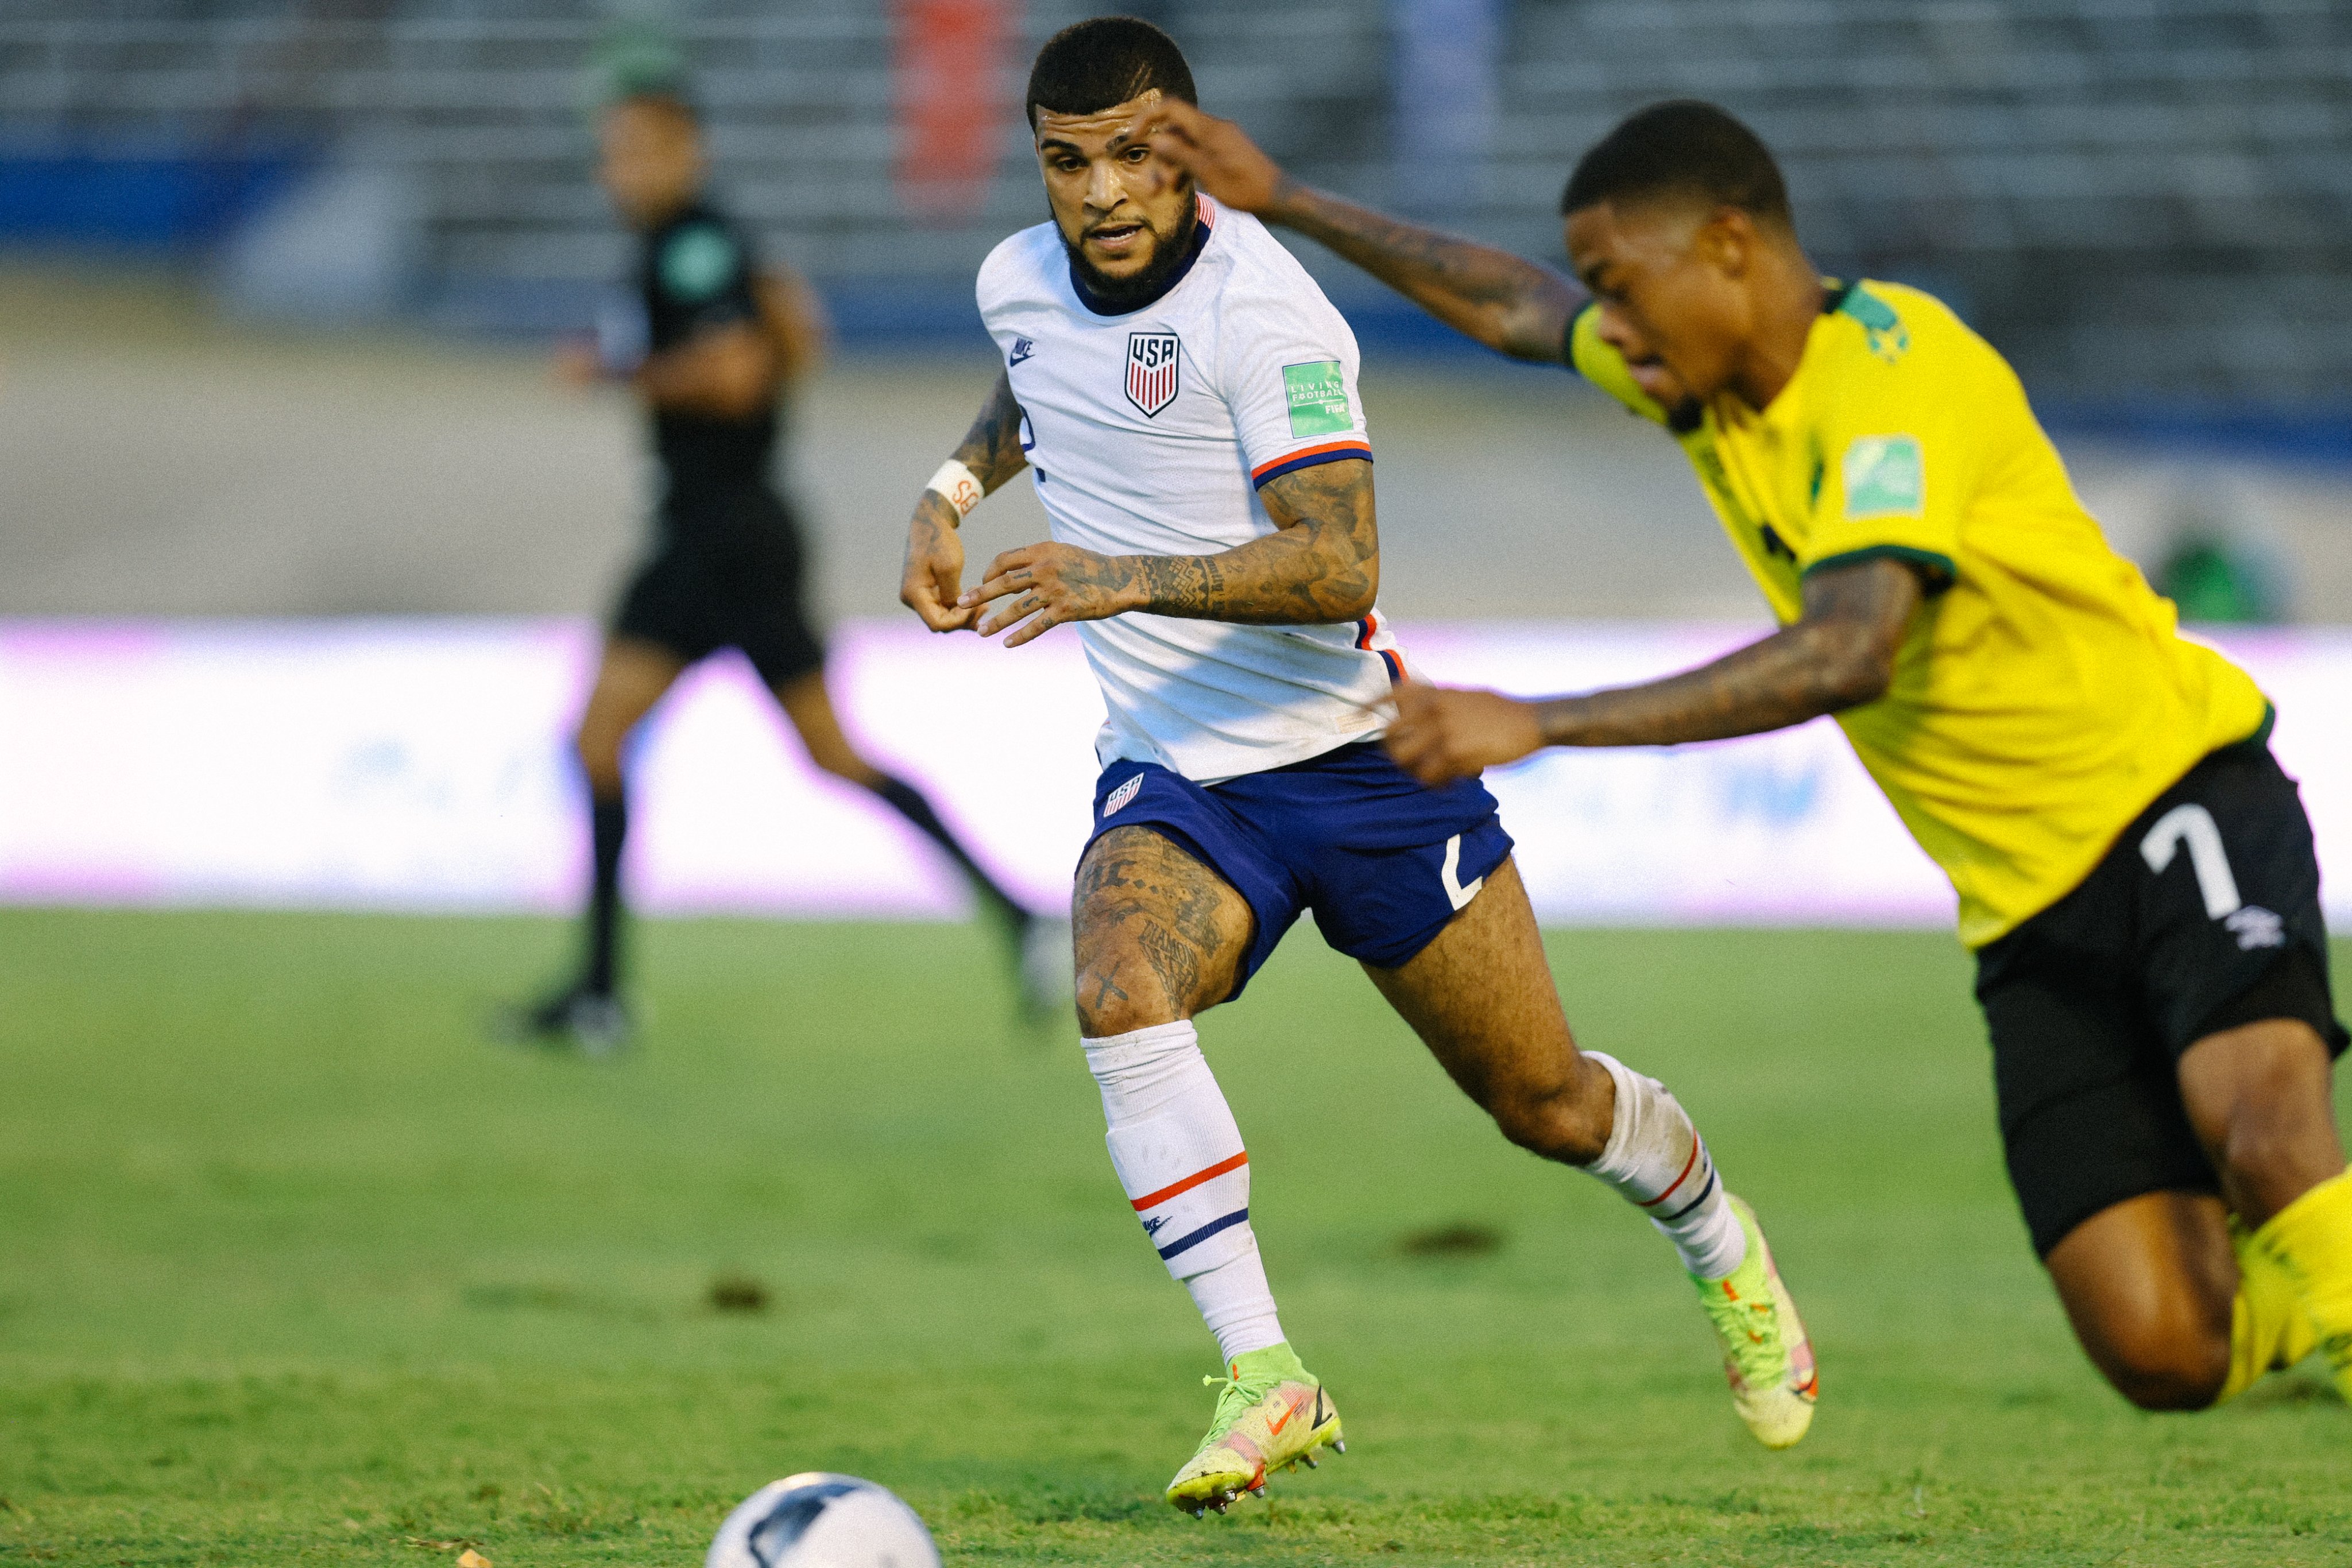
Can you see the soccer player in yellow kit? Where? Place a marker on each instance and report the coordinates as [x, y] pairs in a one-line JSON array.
[[2136, 875]]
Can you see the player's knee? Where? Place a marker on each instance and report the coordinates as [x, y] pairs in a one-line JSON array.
[[1550, 1120], [1118, 992], [2175, 1377], [2165, 1363], [1107, 1007], [600, 759], [842, 763], [1100, 1021]]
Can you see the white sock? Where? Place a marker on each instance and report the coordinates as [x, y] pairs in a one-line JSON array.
[[1178, 1156], [1237, 1304], [1658, 1161]]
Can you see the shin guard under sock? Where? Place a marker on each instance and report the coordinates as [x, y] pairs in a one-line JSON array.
[[1656, 1159], [1178, 1156]]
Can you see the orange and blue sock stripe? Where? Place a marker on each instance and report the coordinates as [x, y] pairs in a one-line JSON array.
[[1699, 1163], [1173, 1190]]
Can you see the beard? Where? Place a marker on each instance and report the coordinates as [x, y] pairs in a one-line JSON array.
[[1138, 289]]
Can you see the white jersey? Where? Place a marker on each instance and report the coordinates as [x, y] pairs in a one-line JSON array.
[[1149, 434]]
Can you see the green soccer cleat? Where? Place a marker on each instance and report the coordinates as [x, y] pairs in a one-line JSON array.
[[1272, 1414], [1766, 1355]]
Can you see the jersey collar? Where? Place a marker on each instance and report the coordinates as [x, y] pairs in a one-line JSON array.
[[1204, 222]]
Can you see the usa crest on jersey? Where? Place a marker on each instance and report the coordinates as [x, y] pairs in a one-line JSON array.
[[1151, 371]]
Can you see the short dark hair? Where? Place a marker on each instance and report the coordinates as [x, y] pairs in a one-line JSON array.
[[1104, 62], [1681, 148]]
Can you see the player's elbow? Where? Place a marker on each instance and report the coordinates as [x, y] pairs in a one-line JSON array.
[[1350, 593], [1850, 668], [1532, 330], [1854, 685], [1495, 326]]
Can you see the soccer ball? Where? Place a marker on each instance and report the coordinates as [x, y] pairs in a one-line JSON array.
[[822, 1521]]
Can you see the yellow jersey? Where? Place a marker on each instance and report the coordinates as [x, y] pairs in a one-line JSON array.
[[2043, 696]]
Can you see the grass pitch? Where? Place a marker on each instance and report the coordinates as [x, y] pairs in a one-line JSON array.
[[293, 1266]]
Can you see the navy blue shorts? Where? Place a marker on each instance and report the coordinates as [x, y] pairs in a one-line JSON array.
[[1382, 862]]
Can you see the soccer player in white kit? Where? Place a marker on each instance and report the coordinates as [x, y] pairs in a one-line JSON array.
[[1186, 397]]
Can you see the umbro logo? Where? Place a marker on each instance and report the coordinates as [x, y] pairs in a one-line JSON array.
[[2256, 927], [1022, 348]]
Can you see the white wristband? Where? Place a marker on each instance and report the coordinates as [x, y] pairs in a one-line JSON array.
[[958, 485]]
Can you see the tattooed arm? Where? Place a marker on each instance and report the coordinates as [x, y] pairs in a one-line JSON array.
[[1840, 655], [1511, 305], [933, 576], [1321, 564]]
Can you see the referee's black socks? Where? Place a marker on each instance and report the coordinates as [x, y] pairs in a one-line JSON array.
[[608, 822], [909, 802]]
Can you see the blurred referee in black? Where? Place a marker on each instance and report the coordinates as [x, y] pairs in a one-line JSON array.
[[714, 347]]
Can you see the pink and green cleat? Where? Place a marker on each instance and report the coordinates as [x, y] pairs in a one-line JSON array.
[[1272, 1414], [1765, 1354]]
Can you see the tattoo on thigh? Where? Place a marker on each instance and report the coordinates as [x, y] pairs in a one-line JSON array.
[[1140, 894], [1173, 959], [1101, 873]]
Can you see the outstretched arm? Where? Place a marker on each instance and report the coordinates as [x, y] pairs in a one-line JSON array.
[[933, 577], [1321, 564], [1510, 304], [1841, 654]]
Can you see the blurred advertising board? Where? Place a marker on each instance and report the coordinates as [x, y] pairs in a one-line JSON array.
[[421, 765]]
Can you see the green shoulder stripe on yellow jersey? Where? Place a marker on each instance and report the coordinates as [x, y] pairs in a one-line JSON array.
[[2045, 696]]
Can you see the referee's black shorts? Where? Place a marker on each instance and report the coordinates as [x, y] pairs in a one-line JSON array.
[[731, 580], [2204, 917]]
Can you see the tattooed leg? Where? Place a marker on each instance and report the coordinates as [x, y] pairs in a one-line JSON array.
[[1160, 936]]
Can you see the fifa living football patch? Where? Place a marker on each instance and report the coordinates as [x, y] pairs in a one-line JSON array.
[[1318, 393], [1885, 477]]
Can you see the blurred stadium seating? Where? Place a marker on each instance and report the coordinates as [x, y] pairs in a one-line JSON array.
[[2132, 198]]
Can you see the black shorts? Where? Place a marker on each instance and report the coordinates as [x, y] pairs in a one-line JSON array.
[[736, 584], [2203, 917]]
